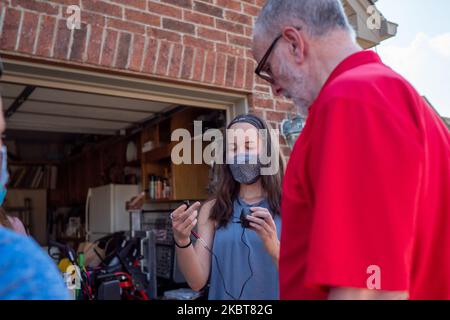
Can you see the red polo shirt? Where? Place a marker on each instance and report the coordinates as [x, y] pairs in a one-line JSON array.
[[366, 195]]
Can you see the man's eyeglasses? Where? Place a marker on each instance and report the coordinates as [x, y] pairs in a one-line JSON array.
[[261, 69]]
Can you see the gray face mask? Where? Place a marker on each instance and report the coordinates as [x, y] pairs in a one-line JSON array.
[[246, 169]]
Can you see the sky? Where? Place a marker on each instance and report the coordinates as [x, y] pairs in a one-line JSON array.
[[421, 49]]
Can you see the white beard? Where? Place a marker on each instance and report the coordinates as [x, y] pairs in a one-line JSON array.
[[297, 84]]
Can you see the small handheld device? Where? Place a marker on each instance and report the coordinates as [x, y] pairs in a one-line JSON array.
[[193, 233], [243, 217], [245, 223]]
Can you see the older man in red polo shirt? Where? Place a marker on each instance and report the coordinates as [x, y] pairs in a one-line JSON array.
[[366, 196]]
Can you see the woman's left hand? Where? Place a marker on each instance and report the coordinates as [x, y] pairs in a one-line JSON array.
[[262, 222]]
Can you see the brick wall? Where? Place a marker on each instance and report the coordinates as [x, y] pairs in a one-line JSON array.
[[200, 41]]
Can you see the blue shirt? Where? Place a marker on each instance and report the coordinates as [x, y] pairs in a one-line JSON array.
[[232, 246], [26, 272]]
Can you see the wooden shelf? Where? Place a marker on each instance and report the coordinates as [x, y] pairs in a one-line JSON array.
[[159, 153], [187, 181]]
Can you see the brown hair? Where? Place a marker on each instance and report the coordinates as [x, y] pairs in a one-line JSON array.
[[4, 221], [226, 189]]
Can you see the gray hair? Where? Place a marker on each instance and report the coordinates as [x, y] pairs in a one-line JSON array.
[[318, 16]]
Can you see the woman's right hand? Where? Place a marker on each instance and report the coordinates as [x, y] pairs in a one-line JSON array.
[[184, 219]]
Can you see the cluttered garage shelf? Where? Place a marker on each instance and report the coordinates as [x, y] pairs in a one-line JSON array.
[[70, 187]]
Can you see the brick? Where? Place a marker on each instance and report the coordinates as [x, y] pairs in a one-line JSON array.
[[238, 17], [212, 34], [240, 41], [249, 53], [198, 18], [275, 116], [263, 89], [208, 9], [162, 63], [165, 10], [41, 7], [260, 3], [230, 4], [95, 44], [178, 26], [142, 17], [139, 4], [102, 7], [230, 26], [282, 105], [150, 55], [109, 48], [198, 64], [219, 77], [164, 34], [249, 74], [125, 26], [10, 29], [123, 50], [248, 32], [137, 52], [209, 67], [62, 40], [175, 61], [198, 43], [186, 68], [79, 44], [230, 71], [67, 2], [93, 18], [230, 49], [240, 73], [46, 34], [28, 32], [263, 103], [260, 81], [181, 3], [251, 10]]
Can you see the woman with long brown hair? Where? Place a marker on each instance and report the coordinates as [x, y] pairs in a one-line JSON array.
[[239, 228]]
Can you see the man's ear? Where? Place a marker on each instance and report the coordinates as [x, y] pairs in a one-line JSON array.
[[296, 43]]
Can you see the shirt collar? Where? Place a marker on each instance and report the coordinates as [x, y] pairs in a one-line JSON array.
[[355, 60]]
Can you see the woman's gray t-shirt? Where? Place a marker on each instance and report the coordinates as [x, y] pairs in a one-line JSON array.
[[233, 259]]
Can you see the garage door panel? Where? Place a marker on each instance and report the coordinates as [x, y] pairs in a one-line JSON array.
[[65, 121], [7, 103], [55, 128], [11, 90], [84, 112], [97, 100]]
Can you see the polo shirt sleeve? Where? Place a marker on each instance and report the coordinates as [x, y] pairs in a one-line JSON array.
[[365, 174]]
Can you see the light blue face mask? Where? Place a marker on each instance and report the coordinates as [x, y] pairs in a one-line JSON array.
[[4, 175]]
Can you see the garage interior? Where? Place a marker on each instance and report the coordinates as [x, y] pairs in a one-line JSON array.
[[64, 145]]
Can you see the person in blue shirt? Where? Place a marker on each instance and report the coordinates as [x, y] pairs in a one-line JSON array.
[[26, 272]]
